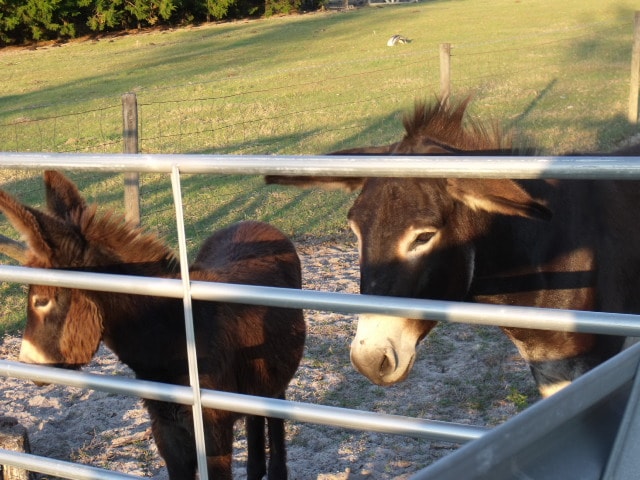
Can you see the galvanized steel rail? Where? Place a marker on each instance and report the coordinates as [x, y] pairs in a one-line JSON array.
[[459, 312], [250, 405], [577, 167]]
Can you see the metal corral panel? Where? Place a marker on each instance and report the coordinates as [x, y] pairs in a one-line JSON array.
[[577, 434]]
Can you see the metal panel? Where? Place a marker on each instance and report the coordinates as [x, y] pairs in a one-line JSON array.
[[567, 436], [624, 461]]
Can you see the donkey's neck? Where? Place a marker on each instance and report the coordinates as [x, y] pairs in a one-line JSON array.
[[130, 321]]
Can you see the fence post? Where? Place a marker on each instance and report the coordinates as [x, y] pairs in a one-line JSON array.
[[635, 71], [445, 71], [130, 138], [13, 436]]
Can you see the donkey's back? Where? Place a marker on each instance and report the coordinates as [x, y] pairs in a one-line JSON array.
[[254, 253]]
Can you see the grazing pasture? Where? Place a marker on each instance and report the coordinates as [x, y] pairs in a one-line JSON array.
[[320, 82]]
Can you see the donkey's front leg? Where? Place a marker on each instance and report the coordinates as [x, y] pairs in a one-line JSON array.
[[174, 438], [218, 427]]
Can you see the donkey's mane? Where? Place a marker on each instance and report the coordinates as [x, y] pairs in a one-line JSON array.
[[445, 123], [130, 243]]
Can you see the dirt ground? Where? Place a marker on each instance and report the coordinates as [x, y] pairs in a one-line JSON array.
[[464, 374]]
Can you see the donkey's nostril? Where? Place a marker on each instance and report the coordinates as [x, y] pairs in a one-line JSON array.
[[389, 362]]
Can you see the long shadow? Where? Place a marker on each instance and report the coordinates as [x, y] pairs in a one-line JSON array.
[[609, 130], [533, 105], [214, 201]]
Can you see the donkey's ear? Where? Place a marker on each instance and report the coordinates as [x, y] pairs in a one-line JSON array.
[[497, 196], [13, 249], [349, 184], [63, 196], [26, 221], [327, 183], [376, 150]]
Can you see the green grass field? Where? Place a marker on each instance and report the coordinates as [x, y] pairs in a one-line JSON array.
[[313, 83], [556, 71]]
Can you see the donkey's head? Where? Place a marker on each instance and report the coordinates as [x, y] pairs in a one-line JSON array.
[[416, 235], [56, 317]]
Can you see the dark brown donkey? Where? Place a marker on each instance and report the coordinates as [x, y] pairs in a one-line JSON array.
[[249, 349], [545, 243]]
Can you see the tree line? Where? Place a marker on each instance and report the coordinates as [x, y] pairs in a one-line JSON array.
[[24, 21]]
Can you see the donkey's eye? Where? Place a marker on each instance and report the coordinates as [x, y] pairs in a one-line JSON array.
[[422, 239], [40, 302]]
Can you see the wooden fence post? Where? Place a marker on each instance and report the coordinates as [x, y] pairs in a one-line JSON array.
[[13, 436], [635, 71], [130, 138], [445, 71]]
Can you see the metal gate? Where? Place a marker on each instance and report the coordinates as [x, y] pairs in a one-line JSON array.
[[617, 393]]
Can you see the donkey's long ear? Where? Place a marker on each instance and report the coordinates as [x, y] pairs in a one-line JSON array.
[[25, 221], [13, 249], [498, 196], [63, 197], [349, 184]]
